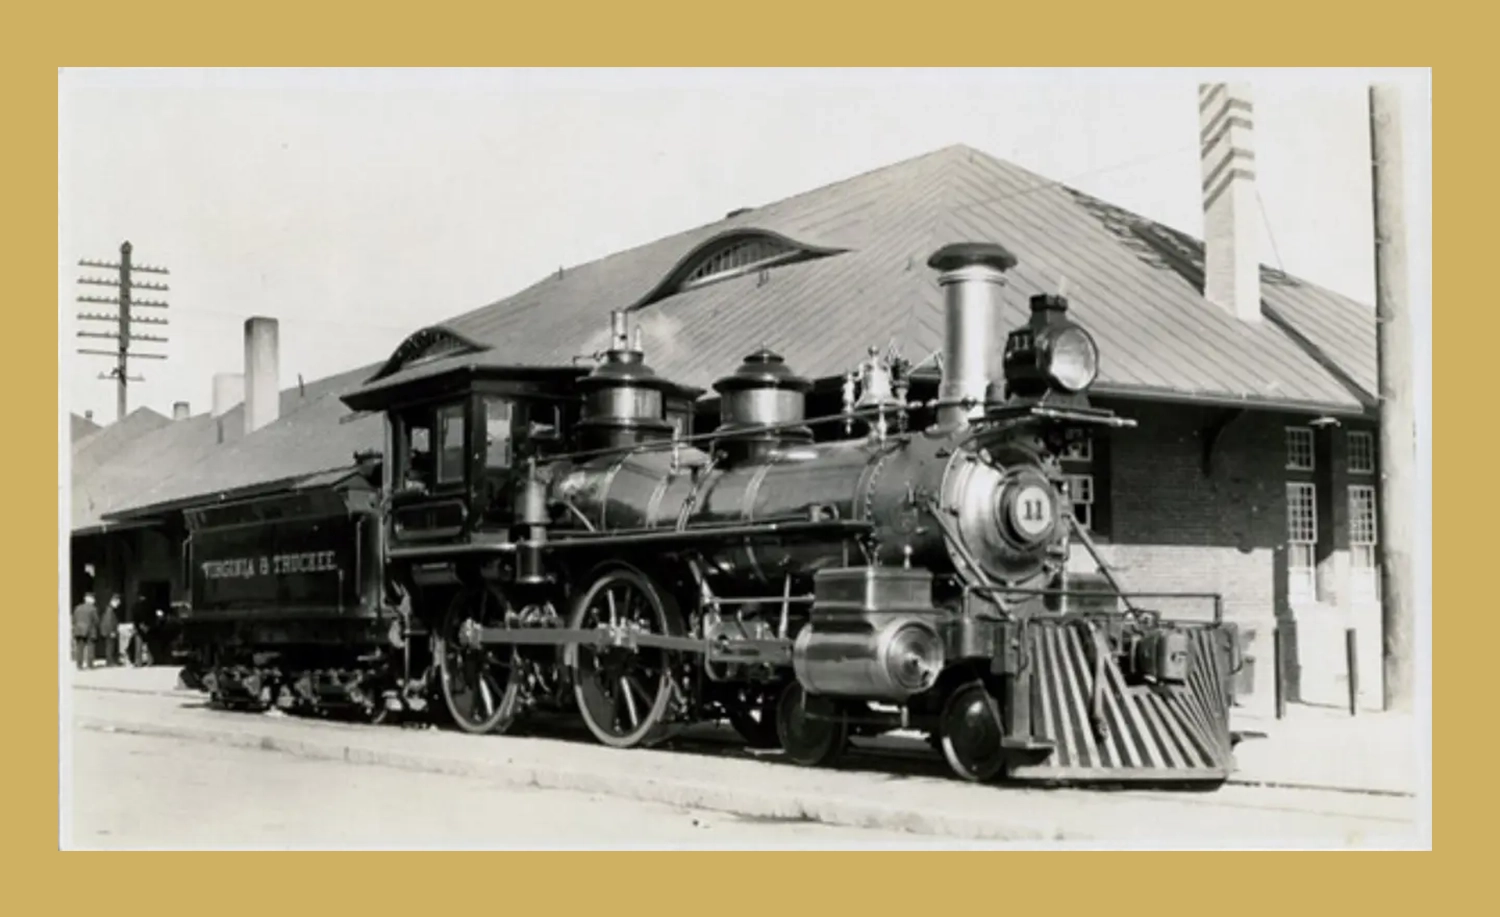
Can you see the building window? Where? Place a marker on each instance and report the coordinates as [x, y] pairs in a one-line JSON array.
[[1080, 447], [1361, 452], [1362, 531], [1302, 540], [451, 436], [1299, 448], [1081, 495], [740, 258]]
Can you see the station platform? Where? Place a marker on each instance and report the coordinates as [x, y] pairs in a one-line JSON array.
[[1312, 747]]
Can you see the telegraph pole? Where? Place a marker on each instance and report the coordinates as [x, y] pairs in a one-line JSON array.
[[125, 285], [1398, 459]]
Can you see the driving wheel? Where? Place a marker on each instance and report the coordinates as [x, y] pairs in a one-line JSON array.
[[481, 684], [624, 692]]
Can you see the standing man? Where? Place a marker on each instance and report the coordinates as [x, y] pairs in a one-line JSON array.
[[127, 635], [109, 627], [85, 629]]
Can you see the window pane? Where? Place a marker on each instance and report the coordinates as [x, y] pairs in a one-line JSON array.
[[1301, 513], [1299, 448], [1080, 490], [1362, 521], [497, 432], [418, 468], [1080, 447], [1361, 452], [451, 431], [1084, 513], [1300, 556]]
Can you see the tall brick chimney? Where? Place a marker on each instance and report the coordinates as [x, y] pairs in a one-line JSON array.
[[229, 390], [1231, 267], [262, 386]]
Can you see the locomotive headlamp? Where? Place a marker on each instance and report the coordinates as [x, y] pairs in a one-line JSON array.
[[1051, 350], [1073, 360]]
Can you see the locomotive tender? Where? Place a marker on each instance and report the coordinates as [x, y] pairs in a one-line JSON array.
[[557, 538]]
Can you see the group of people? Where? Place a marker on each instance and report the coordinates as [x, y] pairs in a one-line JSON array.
[[122, 643]]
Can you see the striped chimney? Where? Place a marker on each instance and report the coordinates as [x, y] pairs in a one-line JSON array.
[[1231, 270]]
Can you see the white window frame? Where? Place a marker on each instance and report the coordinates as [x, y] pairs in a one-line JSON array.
[[1363, 436], [1363, 548], [1294, 434], [1085, 446], [1075, 500], [1302, 578]]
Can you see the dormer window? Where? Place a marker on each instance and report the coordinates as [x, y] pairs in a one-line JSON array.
[[740, 256]]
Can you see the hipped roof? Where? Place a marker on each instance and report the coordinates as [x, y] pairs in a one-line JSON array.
[[1157, 333], [1134, 283]]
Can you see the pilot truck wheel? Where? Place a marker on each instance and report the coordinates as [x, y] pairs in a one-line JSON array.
[[970, 735], [812, 731]]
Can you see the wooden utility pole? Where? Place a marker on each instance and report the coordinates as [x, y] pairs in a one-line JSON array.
[[1398, 452], [123, 334]]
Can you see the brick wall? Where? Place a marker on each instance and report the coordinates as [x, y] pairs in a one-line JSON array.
[[1174, 524], [1180, 521]]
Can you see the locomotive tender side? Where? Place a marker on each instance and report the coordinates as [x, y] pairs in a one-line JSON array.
[[287, 603]]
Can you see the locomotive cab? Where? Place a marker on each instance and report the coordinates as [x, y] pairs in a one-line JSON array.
[[460, 433]]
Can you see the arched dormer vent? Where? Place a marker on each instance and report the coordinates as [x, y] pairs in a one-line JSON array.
[[732, 255], [426, 344]]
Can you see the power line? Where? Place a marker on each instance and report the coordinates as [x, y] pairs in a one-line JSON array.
[[1265, 218], [125, 284]]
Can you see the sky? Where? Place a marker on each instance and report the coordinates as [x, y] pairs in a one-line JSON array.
[[356, 206]]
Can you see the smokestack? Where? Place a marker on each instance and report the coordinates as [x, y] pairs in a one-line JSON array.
[[180, 411], [229, 390], [971, 278], [1231, 269], [262, 387]]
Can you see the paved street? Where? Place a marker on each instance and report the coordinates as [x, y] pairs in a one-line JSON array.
[[133, 792], [155, 768]]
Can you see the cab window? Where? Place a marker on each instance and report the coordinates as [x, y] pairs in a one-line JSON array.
[[450, 467], [418, 466], [498, 413]]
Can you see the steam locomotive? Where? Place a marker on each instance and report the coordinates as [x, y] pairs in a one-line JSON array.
[[537, 539]]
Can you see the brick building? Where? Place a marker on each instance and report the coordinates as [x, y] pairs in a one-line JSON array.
[[1249, 473]]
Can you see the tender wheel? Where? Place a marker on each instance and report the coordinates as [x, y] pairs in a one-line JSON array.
[[624, 694], [480, 684], [809, 740], [753, 715], [970, 735]]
